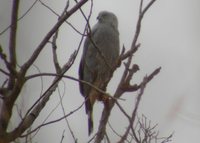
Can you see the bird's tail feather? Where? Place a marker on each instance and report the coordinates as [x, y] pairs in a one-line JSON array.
[[90, 123]]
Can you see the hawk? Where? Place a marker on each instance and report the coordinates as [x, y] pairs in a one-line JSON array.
[[100, 54]]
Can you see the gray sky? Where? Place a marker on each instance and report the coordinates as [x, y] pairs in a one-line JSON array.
[[169, 38]]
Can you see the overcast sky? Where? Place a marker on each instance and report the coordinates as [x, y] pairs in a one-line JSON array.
[[170, 38]]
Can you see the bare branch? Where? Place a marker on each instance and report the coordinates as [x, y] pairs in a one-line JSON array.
[[147, 133], [13, 33], [54, 46], [29, 9], [62, 136], [26, 66], [106, 112], [75, 79], [12, 42], [132, 120], [16, 83], [54, 12], [123, 111], [55, 58], [51, 112], [4, 72], [54, 121], [40, 103], [68, 124], [129, 52], [148, 6], [114, 130], [8, 65], [11, 65], [87, 18]]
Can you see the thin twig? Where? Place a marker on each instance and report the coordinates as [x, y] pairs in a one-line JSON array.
[[114, 130], [36, 53], [74, 79], [63, 110], [37, 107], [62, 136], [54, 12], [54, 121], [8, 65], [46, 118], [28, 120], [54, 45], [4, 72], [21, 17]]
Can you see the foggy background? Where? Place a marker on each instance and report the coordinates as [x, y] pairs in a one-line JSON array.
[[170, 38]]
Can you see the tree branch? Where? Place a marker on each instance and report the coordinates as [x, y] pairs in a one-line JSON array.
[[26, 66], [54, 45], [54, 12], [23, 15], [16, 82], [54, 121], [37, 107], [12, 41]]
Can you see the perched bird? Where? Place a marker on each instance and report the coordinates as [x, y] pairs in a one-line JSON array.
[[100, 54]]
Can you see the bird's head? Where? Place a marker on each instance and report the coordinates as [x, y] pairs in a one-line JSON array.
[[108, 18]]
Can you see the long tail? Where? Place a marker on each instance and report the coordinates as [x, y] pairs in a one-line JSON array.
[[90, 122], [89, 112]]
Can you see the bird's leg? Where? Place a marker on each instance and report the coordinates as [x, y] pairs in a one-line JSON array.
[[101, 96], [105, 99]]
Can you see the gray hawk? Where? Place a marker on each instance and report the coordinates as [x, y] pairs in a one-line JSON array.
[[100, 54]]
